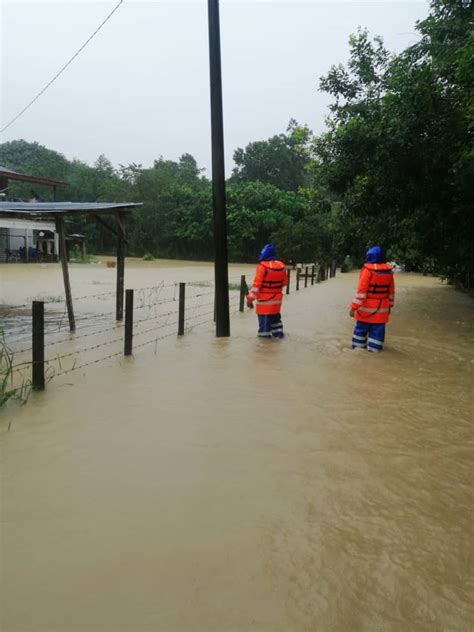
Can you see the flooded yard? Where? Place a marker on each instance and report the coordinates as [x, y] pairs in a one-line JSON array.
[[242, 484]]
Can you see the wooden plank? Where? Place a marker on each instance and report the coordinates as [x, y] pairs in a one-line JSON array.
[[128, 340], [38, 346], [120, 269], [64, 264]]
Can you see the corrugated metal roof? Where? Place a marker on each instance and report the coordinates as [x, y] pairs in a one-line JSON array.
[[49, 210]]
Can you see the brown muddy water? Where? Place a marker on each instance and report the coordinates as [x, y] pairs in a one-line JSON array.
[[244, 484]]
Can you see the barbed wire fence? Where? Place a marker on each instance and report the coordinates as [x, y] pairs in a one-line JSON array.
[[44, 349]]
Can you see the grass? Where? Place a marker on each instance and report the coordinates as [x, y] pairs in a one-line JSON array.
[[8, 392]]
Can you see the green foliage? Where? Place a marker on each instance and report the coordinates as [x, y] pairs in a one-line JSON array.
[[9, 392], [395, 166], [148, 257], [398, 151], [280, 160]]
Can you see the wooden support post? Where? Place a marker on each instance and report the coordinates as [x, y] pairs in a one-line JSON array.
[[38, 346], [288, 272], [297, 279], [182, 295], [306, 276], [64, 264], [243, 287], [128, 338], [333, 268], [312, 274], [120, 268]]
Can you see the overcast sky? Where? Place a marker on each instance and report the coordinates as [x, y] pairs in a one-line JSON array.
[[140, 89]]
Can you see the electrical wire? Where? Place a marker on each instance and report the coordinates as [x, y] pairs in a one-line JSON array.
[[68, 63]]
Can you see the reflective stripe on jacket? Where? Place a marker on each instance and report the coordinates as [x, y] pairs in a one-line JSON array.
[[267, 288], [375, 294]]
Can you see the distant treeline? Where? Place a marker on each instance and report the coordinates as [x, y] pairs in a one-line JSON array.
[[395, 167]]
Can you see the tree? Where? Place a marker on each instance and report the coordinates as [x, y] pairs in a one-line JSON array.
[[398, 150], [281, 160]]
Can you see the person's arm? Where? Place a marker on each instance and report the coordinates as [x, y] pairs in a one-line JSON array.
[[256, 286], [391, 292], [361, 292]]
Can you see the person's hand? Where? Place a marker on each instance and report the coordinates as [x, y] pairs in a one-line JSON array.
[[250, 304], [351, 312]]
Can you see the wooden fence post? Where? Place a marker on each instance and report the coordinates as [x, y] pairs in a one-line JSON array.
[[38, 346], [182, 291], [297, 279], [288, 273], [312, 274], [306, 276], [128, 339], [243, 287]]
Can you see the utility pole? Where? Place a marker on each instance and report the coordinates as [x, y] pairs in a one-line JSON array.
[[221, 273]]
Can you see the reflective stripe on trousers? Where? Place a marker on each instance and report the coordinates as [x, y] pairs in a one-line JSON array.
[[368, 335], [270, 326]]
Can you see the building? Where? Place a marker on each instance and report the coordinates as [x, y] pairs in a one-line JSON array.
[[26, 240]]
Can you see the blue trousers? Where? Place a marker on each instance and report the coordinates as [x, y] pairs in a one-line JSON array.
[[368, 336], [270, 326]]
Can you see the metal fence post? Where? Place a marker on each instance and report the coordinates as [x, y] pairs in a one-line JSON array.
[[243, 286], [38, 346], [128, 339], [312, 274], [288, 273], [306, 276], [297, 279], [182, 291]]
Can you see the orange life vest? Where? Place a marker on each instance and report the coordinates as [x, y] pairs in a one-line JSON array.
[[375, 294], [267, 289]]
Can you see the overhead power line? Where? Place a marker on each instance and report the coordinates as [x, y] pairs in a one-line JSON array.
[[68, 63]]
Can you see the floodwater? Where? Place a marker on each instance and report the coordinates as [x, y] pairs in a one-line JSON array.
[[244, 484]]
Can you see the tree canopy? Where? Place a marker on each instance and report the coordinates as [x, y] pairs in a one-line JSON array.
[[395, 166]]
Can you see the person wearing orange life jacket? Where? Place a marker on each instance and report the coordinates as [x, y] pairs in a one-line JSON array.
[[373, 302], [267, 291]]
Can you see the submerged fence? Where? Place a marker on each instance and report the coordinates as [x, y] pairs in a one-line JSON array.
[[151, 315]]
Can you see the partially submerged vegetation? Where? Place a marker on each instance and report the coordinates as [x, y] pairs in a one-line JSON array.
[[8, 390]]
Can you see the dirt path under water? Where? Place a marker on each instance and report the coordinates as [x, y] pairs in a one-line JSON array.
[[244, 484]]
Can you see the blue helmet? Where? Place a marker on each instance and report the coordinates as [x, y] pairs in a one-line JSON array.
[[374, 255], [268, 253]]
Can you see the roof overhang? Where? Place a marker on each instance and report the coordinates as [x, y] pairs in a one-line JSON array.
[[25, 224], [44, 211]]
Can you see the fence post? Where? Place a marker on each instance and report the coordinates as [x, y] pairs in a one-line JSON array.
[[38, 346], [297, 279], [243, 285], [334, 267], [328, 269], [182, 291], [288, 273], [306, 276], [128, 339], [312, 274]]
